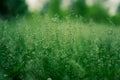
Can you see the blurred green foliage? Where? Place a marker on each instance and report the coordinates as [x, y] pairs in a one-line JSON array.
[[54, 7], [12, 7], [97, 13], [116, 19], [79, 7]]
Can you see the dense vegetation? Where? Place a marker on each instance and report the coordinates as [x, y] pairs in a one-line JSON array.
[[64, 47], [51, 49]]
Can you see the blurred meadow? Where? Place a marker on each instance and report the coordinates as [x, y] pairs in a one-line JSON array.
[[59, 39]]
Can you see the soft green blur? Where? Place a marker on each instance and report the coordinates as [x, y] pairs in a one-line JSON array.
[[12, 8], [52, 8]]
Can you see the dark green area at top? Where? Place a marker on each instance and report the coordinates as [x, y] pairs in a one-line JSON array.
[[10, 8]]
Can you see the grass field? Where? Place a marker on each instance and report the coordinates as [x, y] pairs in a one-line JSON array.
[[52, 49]]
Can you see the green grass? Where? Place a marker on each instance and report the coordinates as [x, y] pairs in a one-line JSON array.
[[51, 49]]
